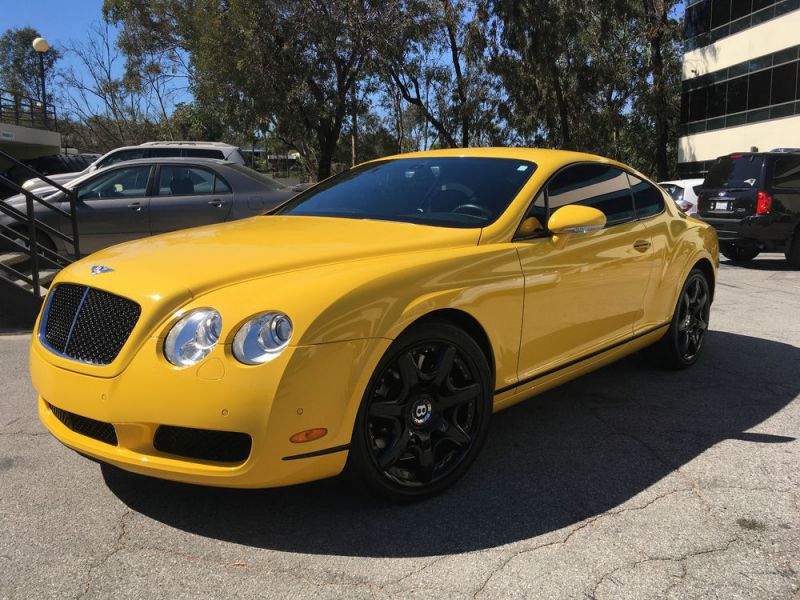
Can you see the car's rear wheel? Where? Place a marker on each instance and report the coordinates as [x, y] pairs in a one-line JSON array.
[[683, 342], [425, 413], [739, 252]]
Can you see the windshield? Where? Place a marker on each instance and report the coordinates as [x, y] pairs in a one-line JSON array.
[[440, 191], [737, 171]]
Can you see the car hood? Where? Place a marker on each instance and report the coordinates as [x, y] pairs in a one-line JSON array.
[[205, 258]]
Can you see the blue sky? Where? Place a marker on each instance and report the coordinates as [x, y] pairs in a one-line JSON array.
[[57, 20]]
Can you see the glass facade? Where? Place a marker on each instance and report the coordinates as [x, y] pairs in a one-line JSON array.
[[759, 89], [707, 21]]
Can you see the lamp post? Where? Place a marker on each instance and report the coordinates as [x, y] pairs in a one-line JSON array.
[[41, 46]]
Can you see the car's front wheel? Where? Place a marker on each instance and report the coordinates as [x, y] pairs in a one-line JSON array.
[[681, 345], [425, 413]]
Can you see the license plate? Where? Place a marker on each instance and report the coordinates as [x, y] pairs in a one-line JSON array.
[[717, 205]]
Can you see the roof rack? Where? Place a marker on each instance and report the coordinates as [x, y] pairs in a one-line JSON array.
[[187, 143]]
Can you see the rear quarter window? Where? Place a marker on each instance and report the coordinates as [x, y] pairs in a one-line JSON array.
[[647, 198], [786, 173], [203, 153]]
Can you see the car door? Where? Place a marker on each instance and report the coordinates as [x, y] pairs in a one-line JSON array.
[[188, 196], [112, 207], [583, 291]]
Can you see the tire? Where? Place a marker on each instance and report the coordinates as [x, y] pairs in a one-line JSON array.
[[737, 253], [681, 345], [424, 415], [793, 253]]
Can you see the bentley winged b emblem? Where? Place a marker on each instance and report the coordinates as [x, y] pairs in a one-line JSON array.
[[100, 269]]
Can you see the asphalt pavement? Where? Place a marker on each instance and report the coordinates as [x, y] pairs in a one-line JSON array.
[[627, 483]]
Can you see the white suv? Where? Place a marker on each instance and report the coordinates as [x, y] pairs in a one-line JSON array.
[[148, 150]]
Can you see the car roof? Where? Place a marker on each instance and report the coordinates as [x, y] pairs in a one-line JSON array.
[[170, 159]]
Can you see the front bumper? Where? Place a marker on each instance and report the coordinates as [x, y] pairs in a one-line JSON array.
[[305, 387]]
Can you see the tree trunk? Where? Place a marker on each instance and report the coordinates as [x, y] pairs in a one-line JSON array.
[[662, 108], [563, 111]]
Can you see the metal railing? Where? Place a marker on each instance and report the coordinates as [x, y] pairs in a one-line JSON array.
[[22, 235], [17, 109]]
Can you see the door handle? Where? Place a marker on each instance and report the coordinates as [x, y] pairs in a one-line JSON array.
[[641, 245], [217, 203], [137, 206]]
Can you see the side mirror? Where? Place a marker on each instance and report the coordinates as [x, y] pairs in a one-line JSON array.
[[575, 218]]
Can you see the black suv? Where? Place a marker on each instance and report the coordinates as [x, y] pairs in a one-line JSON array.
[[753, 201]]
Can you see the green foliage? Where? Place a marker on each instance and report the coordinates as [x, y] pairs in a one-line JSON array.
[[338, 80], [19, 63]]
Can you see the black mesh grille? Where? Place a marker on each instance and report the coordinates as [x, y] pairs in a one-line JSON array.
[[62, 308], [103, 323], [102, 432], [205, 444]]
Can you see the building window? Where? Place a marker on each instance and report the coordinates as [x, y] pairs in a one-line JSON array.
[[763, 88], [707, 21]]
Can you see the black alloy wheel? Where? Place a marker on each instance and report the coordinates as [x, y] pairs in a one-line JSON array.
[[425, 413], [693, 312], [681, 345]]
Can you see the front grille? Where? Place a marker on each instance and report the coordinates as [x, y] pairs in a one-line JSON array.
[[87, 324], [204, 444], [102, 432]]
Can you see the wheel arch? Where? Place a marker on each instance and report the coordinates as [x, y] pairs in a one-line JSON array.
[[708, 270], [466, 322]]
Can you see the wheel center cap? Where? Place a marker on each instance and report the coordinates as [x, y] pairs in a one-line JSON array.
[[421, 411]]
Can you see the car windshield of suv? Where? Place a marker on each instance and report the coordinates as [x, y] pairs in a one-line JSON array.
[[737, 171], [445, 192]]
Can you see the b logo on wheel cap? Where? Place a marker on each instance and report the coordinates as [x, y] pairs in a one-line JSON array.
[[421, 411]]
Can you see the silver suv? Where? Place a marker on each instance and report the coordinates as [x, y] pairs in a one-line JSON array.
[[216, 150]]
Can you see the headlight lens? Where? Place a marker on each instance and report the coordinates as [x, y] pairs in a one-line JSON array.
[[193, 337], [262, 338]]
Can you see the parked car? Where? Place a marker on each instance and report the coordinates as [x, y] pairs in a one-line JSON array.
[[684, 192], [752, 199], [215, 150], [144, 197], [51, 165], [373, 322]]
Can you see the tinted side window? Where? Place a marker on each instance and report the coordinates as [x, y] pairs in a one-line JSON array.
[[786, 173], [184, 181], [121, 156], [203, 153], [599, 186], [221, 186], [163, 152], [130, 182], [648, 200]]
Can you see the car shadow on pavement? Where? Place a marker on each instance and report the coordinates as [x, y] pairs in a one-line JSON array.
[[572, 453]]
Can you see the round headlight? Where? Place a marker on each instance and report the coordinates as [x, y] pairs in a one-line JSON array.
[[193, 337], [262, 338]]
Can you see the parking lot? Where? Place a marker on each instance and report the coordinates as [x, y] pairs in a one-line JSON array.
[[627, 483]]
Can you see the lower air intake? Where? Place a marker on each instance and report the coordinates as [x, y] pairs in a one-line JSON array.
[[203, 444], [97, 430]]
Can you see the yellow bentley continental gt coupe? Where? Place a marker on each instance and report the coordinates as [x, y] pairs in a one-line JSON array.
[[372, 323]]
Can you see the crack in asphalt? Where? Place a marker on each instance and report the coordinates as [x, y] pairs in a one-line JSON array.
[[575, 530], [118, 545], [680, 559]]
